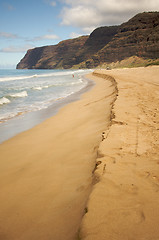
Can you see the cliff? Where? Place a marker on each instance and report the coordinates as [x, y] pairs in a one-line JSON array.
[[137, 37], [68, 53], [61, 55]]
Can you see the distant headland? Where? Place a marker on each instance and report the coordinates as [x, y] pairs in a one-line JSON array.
[[136, 40]]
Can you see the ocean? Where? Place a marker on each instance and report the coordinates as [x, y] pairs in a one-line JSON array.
[[26, 91]]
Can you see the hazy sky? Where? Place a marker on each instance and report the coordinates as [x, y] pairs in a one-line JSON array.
[[27, 24]]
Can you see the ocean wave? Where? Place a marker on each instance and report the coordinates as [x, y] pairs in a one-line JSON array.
[[19, 94], [39, 88], [10, 115], [5, 79], [4, 100], [64, 73]]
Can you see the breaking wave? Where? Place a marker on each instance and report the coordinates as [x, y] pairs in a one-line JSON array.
[[65, 73], [4, 79], [19, 94], [4, 100], [40, 88]]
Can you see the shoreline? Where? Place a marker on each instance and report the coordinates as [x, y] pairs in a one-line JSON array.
[[28, 120], [46, 172], [124, 201]]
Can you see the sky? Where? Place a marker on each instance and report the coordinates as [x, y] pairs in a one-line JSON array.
[[26, 24]]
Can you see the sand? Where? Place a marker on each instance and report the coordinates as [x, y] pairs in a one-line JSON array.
[[124, 203], [46, 172]]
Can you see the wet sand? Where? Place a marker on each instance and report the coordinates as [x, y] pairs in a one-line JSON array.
[[124, 203], [46, 172]]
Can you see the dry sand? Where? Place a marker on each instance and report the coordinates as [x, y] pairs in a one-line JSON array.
[[124, 203], [46, 172]]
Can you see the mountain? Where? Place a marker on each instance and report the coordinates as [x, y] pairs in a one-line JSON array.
[[62, 55], [137, 37], [68, 53]]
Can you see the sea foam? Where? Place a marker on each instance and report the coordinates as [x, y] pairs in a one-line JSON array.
[[40, 88], [65, 73], [4, 100], [19, 94], [5, 79]]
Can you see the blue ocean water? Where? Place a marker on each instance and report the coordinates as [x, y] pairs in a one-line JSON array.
[[24, 91]]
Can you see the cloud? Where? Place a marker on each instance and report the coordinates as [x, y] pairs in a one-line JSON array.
[[47, 36], [8, 35], [50, 36], [80, 16], [89, 14], [74, 35], [16, 49]]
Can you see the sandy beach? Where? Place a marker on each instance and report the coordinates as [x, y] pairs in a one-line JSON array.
[[46, 172], [124, 203], [50, 189]]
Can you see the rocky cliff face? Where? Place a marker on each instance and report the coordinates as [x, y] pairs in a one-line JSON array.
[[137, 37], [61, 55], [68, 53]]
